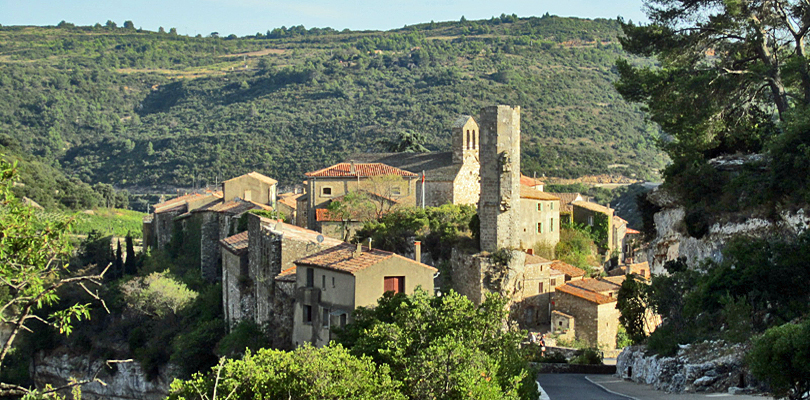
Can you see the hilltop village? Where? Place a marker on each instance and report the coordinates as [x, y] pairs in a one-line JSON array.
[[302, 277]]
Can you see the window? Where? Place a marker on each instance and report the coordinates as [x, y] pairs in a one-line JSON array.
[[307, 314], [551, 206], [343, 318], [539, 227], [473, 140], [310, 277], [540, 288], [551, 225], [553, 283], [323, 281], [325, 319], [394, 284], [590, 220], [333, 281], [395, 190], [248, 195], [539, 206], [326, 191]]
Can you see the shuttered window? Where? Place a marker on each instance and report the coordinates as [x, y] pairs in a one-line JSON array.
[[394, 284]]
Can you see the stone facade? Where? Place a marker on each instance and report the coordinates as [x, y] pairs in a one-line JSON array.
[[332, 283], [253, 187], [498, 207], [594, 311], [160, 225], [539, 219], [563, 325]]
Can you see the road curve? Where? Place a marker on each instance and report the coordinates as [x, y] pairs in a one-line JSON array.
[[573, 387]]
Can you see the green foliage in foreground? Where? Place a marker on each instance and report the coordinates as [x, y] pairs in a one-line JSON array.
[[781, 357], [759, 284], [310, 373], [110, 221], [444, 347]]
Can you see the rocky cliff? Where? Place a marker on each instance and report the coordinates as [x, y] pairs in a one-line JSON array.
[[701, 367], [671, 240], [122, 381]]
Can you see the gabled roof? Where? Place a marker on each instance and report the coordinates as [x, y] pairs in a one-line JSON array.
[[593, 207], [182, 201], [595, 285], [529, 193], [461, 121], [359, 170], [532, 259], [255, 175], [236, 244], [289, 199], [438, 166], [589, 296], [288, 275], [567, 269], [529, 181], [566, 199], [345, 259], [297, 233]]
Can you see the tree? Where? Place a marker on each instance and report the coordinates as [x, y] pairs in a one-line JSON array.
[[131, 262], [780, 357], [307, 372], [408, 142], [33, 260], [728, 69], [443, 347], [632, 304]]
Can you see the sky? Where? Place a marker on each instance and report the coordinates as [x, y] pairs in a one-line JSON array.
[[247, 17]]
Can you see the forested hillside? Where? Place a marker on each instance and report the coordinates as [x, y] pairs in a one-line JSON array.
[[139, 109]]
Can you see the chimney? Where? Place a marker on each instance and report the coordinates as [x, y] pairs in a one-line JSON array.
[[369, 244], [530, 252], [359, 250], [417, 251]]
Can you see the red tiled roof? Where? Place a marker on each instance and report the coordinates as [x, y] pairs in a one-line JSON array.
[[592, 297], [289, 199], [529, 193], [288, 275], [631, 231], [566, 199], [236, 244], [595, 285], [344, 258], [534, 259], [529, 181], [359, 169], [323, 215], [183, 200], [567, 269]]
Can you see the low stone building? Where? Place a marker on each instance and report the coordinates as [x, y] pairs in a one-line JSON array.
[[332, 283], [591, 305], [253, 187], [159, 226], [287, 205]]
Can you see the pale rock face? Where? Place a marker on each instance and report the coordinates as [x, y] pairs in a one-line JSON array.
[[702, 367], [672, 241], [126, 381]]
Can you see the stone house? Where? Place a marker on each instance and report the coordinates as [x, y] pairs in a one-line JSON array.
[[383, 181], [590, 214], [566, 205], [640, 269], [533, 183], [330, 284], [586, 310], [450, 177], [253, 187], [159, 226], [253, 285], [536, 284], [539, 218], [287, 205]]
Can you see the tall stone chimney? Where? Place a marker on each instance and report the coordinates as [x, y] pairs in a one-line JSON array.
[[417, 251], [498, 207]]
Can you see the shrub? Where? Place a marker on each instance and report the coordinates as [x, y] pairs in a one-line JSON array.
[[781, 357]]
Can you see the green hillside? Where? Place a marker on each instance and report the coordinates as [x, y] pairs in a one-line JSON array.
[[140, 109]]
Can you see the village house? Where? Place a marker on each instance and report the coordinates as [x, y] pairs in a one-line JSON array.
[[159, 226], [450, 177], [330, 284], [602, 218], [257, 268], [566, 205], [387, 187], [287, 206], [586, 310]]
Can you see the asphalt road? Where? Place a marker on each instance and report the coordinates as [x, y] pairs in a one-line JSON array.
[[573, 387]]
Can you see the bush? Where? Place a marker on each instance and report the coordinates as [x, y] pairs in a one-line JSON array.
[[781, 357], [588, 356]]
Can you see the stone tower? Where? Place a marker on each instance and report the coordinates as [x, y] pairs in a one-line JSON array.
[[465, 139], [498, 207]]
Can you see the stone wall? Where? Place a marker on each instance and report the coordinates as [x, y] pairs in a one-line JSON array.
[[500, 177], [124, 381], [436, 193], [585, 313], [238, 298], [701, 367], [209, 245]]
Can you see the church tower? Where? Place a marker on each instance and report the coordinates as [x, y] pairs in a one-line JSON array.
[[465, 139]]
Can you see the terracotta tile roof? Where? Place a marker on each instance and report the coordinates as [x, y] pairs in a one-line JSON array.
[[257, 176], [183, 201], [566, 199], [595, 285], [342, 258], [594, 207], [631, 231], [529, 193], [616, 280], [292, 232], [360, 169], [289, 199], [323, 215], [288, 275], [236, 244], [567, 269], [438, 166], [532, 259], [641, 269], [529, 181], [592, 297]]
